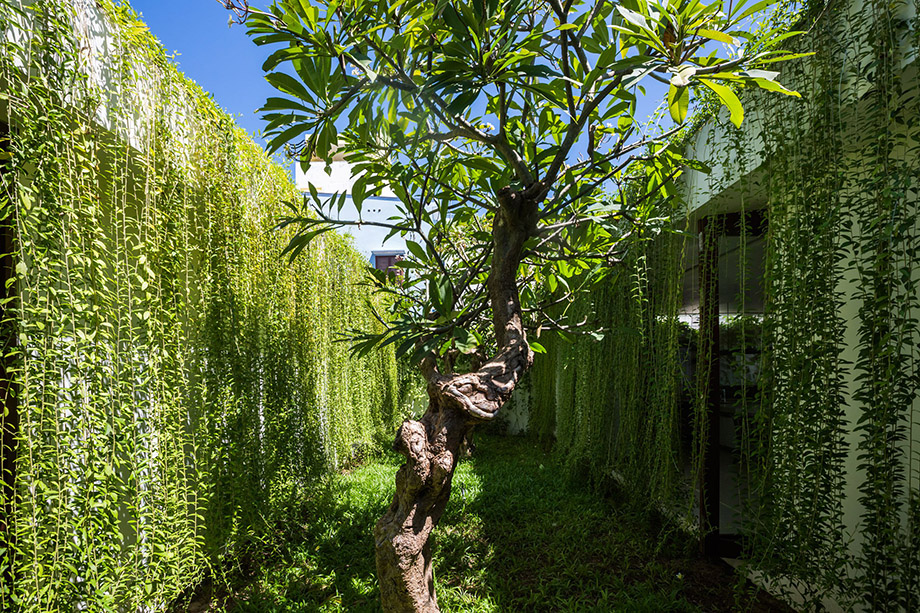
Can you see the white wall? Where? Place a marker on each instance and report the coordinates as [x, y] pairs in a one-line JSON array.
[[340, 178]]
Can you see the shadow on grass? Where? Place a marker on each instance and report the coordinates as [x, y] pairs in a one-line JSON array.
[[327, 564], [528, 540], [517, 536], [520, 535]]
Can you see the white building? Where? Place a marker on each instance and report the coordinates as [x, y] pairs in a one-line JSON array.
[[368, 238]]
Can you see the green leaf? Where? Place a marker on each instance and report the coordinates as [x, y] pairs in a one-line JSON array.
[[633, 18], [755, 8], [698, 166], [283, 104], [465, 341], [729, 99], [358, 192], [678, 102], [785, 57], [308, 12], [441, 295], [722, 37], [288, 84], [288, 135], [278, 57], [773, 86], [417, 250], [754, 73], [424, 349], [365, 62]]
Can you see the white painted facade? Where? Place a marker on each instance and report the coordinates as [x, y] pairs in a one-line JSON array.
[[338, 177]]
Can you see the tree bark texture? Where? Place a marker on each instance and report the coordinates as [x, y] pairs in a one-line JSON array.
[[457, 402]]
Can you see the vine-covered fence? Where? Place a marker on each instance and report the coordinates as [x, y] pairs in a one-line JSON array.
[[817, 370], [169, 381]]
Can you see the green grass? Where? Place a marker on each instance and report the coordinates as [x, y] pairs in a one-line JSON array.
[[517, 536]]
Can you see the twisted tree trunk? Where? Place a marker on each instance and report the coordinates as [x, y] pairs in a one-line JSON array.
[[457, 402]]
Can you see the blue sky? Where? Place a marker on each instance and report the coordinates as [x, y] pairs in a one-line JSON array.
[[223, 60]]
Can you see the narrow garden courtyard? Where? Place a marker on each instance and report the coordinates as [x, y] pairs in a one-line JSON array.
[[503, 306]]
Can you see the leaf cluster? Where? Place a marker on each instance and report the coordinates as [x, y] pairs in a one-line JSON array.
[[448, 104]]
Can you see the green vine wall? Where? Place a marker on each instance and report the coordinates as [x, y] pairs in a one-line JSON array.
[[177, 382], [613, 404], [836, 509], [829, 445]]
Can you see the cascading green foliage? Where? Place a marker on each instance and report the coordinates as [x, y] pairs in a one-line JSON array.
[[614, 403], [178, 382], [883, 203], [829, 451], [840, 412], [800, 445]]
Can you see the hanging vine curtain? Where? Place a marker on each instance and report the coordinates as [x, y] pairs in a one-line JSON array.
[[177, 381], [829, 446]]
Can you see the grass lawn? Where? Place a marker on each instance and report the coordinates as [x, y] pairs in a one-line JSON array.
[[518, 535]]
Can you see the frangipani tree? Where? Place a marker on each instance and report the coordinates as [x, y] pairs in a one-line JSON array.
[[507, 129]]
